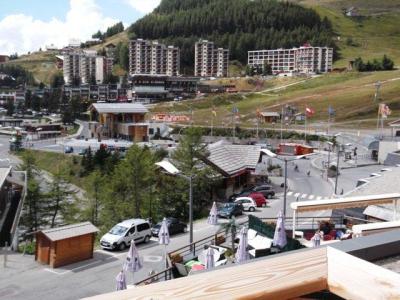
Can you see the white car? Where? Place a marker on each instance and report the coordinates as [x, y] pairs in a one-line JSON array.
[[121, 235], [248, 203]]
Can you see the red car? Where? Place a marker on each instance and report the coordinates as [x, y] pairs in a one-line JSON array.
[[258, 198]]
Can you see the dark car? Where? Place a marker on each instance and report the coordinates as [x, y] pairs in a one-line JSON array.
[[266, 190], [228, 210], [174, 226]]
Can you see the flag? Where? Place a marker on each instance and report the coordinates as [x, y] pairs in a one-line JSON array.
[[214, 111], [309, 111], [331, 111], [384, 110]]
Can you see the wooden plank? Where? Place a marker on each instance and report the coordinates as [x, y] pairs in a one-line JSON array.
[[352, 278], [281, 277]]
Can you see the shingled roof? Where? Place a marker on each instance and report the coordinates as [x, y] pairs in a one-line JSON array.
[[69, 231], [233, 159]]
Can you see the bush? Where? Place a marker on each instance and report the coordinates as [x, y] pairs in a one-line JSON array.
[[30, 248]]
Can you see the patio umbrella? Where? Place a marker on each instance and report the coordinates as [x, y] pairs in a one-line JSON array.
[[163, 238], [280, 232], [213, 216], [241, 253], [210, 258], [121, 281], [133, 262]]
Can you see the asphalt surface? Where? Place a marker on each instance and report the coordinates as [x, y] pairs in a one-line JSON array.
[[23, 278]]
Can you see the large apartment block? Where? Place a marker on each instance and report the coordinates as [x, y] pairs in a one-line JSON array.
[[153, 58], [306, 59], [210, 61], [86, 65]]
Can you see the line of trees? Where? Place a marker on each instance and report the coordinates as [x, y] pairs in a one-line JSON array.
[[384, 64], [20, 75], [239, 25], [120, 189], [113, 30]]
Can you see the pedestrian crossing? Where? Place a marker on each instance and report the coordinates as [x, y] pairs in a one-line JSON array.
[[306, 196]]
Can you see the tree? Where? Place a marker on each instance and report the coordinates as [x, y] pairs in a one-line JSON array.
[[34, 207], [267, 69], [130, 186], [58, 197], [57, 80], [124, 57], [387, 63], [190, 157], [94, 192]]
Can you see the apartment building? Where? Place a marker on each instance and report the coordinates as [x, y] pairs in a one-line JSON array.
[[305, 59], [210, 61], [153, 58], [87, 66]]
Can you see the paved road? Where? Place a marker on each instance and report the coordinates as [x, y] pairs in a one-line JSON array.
[[25, 279]]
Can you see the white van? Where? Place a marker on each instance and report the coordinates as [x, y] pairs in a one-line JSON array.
[[121, 235]]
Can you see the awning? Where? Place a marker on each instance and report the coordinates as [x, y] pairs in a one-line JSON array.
[[340, 203]]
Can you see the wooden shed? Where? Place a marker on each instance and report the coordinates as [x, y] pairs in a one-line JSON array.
[[65, 245]]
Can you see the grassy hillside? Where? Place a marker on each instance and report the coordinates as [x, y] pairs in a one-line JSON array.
[[374, 34], [350, 94], [41, 64]]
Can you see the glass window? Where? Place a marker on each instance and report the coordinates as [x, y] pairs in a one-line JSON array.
[[143, 227], [118, 230]]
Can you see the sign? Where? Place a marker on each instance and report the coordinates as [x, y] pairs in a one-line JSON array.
[[170, 118]]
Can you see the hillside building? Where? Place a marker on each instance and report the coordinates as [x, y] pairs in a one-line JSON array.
[[210, 61], [153, 58], [119, 120], [4, 58], [306, 59], [86, 66]]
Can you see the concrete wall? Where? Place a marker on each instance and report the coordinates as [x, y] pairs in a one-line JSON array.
[[386, 147]]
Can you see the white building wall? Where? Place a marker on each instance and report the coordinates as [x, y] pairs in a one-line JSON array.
[[386, 147]]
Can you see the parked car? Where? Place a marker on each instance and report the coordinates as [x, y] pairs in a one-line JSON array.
[[258, 198], [174, 226], [68, 149], [122, 234], [247, 203], [266, 190], [83, 151], [228, 210]]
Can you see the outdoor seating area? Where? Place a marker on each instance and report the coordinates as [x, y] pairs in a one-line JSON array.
[[199, 263]]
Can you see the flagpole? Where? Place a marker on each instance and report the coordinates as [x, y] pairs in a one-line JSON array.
[[212, 123], [305, 128], [282, 125]]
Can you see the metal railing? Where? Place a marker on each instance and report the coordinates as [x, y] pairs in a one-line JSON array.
[[189, 251]]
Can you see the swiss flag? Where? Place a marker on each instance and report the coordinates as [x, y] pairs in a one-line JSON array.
[[309, 111]]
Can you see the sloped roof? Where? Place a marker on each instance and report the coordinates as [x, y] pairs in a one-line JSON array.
[[118, 108], [69, 231], [388, 182], [270, 114], [231, 159]]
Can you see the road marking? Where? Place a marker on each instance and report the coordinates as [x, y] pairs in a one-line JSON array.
[[289, 193], [297, 194], [303, 196], [319, 198], [311, 197]]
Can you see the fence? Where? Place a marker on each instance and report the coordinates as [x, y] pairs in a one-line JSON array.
[[265, 226]]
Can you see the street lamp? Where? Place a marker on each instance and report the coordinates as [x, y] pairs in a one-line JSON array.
[[285, 160], [329, 159], [171, 169]]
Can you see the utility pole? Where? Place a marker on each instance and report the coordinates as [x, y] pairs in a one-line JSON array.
[[285, 191], [282, 125], [190, 211]]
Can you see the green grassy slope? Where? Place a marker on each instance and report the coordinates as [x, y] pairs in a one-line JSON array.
[[41, 64], [374, 34], [350, 94]]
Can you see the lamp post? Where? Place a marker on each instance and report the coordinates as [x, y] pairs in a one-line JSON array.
[[285, 161], [171, 169], [337, 169]]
